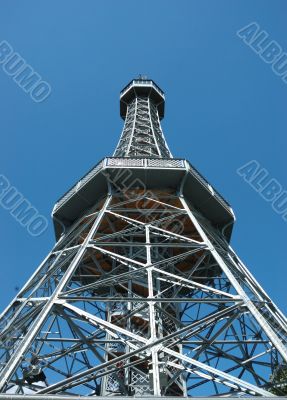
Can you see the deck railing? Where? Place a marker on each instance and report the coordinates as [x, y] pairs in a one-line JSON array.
[[140, 162]]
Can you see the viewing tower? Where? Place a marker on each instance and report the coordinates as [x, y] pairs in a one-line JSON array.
[[142, 294]]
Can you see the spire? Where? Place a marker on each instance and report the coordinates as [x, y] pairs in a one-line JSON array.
[[142, 108]]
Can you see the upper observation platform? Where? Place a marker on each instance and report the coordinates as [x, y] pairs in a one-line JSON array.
[[142, 108]]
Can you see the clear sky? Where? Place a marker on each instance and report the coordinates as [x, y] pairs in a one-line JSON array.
[[224, 107]]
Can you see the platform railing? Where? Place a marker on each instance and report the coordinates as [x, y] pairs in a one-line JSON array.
[[139, 162], [141, 82]]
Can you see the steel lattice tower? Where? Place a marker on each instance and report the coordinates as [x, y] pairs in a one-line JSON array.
[[142, 294]]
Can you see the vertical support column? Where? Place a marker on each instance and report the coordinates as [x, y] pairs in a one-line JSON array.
[[153, 333], [152, 129], [26, 285], [133, 128], [128, 372], [248, 303], [25, 343]]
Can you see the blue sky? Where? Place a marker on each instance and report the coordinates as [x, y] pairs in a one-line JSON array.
[[224, 107]]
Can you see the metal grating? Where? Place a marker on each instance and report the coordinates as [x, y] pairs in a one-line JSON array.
[[90, 174], [125, 162], [78, 185], [128, 162], [171, 163], [207, 185]]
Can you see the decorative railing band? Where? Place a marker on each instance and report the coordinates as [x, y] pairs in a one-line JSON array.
[[125, 162], [90, 174], [117, 162], [141, 82], [205, 183], [159, 162]]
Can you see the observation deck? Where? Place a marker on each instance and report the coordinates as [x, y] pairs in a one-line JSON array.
[[150, 173]]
